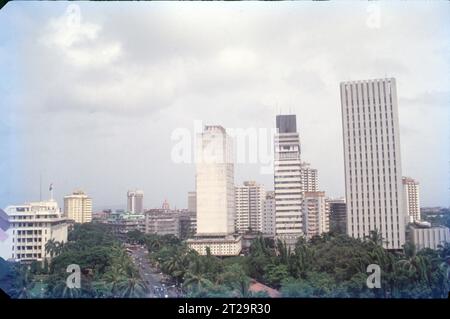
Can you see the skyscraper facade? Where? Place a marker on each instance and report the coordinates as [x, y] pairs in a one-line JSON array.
[[316, 214], [338, 215], [268, 214], [78, 207], [373, 178], [411, 198], [215, 195], [249, 205], [287, 180], [215, 182], [135, 201], [310, 181]]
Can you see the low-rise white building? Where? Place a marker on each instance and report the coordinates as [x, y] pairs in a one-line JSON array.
[[424, 236], [219, 245], [31, 226]]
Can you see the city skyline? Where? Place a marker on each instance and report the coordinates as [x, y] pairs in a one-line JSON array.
[[120, 134]]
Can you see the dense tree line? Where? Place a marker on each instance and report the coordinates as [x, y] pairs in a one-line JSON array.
[[106, 269], [325, 266]]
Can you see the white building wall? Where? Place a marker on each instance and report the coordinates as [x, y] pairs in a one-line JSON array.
[[215, 182], [411, 198], [429, 237], [372, 160], [31, 227]]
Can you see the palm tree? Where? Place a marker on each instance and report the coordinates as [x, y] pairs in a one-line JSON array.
[[375, 237], [51, 247], [61, 290], [176, 265], [114, 278], [196, 280], [133, 286], [414, 264], [23, 284]]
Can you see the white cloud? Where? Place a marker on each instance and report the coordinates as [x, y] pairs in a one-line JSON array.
[[116, 85]]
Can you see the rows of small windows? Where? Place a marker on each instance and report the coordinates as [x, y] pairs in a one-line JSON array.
[[29, 232], [25, 256], [27, 247], [28, 240]]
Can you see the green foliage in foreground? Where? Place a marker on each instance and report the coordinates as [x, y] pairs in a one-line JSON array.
[[107, 270], [326, 266]]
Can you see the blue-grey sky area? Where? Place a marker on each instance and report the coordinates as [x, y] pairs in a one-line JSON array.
[[91, 101]]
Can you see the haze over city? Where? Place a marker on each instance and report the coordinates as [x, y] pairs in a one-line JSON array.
[[95, 104]]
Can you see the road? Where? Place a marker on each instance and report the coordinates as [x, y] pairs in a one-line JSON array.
[[154, 280]]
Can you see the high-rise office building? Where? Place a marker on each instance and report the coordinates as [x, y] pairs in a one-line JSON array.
[[316, 214], [373, 175], [215, 194], [31, 226], [78, 207], [215, 182], [268, 214], [338, 215], [249, 199], [135, 201], [309, 178], [287, 180], [411, 199]]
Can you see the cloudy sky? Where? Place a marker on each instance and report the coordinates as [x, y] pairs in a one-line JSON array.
[[91, 94]]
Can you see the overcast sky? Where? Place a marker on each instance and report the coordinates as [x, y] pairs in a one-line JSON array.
[[93, 104]]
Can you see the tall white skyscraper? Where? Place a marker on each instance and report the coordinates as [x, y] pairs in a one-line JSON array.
[[373, 175], [287, 180], [215, 182], [310, 181], [135, 201], [249, 205], [215, 195], [411, 198], [78, 207]]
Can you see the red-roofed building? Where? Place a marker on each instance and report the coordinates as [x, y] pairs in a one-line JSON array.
[[256, 287]]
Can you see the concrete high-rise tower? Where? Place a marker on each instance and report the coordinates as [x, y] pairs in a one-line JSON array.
[[78, 207], [135, 201], [309, 178], [215, 182], [373, 175], [411, 198], [249, 205], [287, 180], [215, 195]]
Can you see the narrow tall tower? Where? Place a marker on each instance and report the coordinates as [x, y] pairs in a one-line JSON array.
[[287, 180], [373, 175], [215, 183]]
